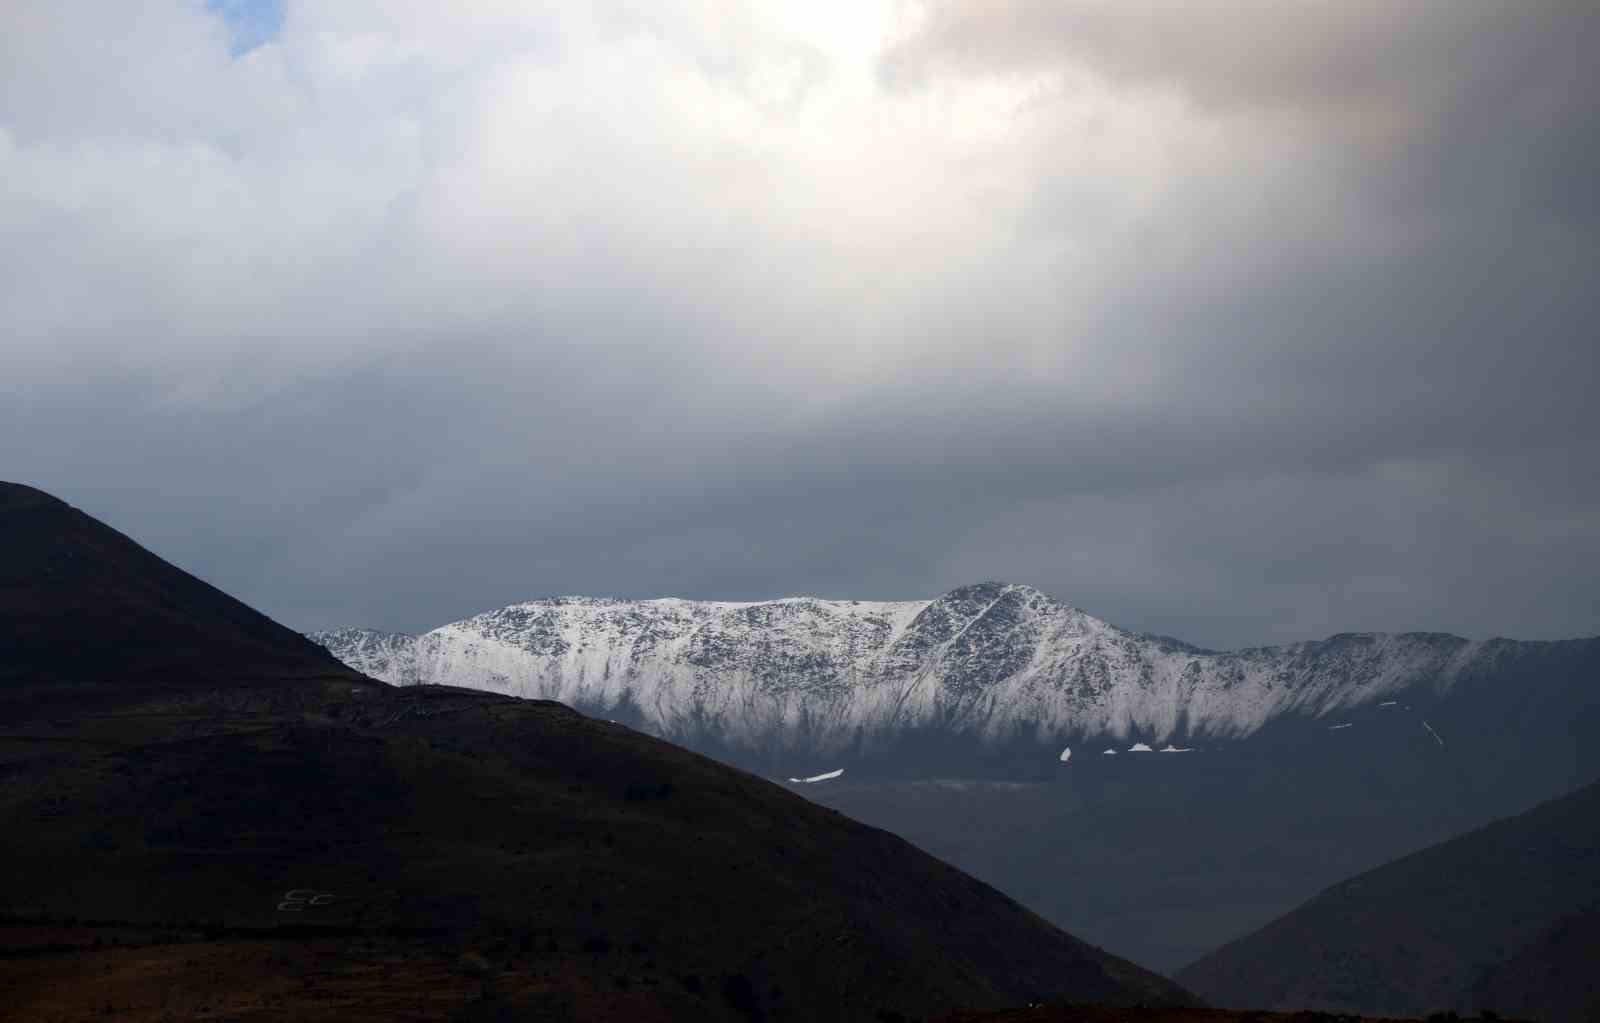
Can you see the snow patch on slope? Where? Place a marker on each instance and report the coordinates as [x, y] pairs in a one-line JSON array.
[[829, 776]]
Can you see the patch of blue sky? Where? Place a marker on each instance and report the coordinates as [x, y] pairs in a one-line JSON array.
[[250, 22]]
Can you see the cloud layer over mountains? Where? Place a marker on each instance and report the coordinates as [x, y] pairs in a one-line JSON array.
[[1245, 323]]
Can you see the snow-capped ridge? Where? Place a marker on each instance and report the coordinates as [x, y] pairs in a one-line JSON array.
[[992, 660], [387, 656]]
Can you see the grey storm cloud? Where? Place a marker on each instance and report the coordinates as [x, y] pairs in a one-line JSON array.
[[1241, 322]]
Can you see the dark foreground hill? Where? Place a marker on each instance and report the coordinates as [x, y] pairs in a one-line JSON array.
[[80, 602], [1506, 918], [1079, 1013], [291, 840]]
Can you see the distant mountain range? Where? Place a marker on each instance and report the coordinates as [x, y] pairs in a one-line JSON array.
[[1505, 918], [950, 722], [993, 664]]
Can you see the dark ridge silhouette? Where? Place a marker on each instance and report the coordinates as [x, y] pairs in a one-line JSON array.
[[1505, 918], [205, 817], [80, 602]]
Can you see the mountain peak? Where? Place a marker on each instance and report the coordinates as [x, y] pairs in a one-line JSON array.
[[995, 589], [19, 496], [87, 604]]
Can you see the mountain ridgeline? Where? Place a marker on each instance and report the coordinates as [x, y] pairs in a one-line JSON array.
[[80, 602], [989, 673]]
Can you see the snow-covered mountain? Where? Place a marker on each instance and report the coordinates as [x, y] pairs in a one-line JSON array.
[[390, 656], [994, 661]]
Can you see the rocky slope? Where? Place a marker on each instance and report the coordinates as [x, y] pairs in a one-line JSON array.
[[390, 656], [993, 661]]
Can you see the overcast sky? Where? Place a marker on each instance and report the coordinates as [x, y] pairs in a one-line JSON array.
[[1242, 322]]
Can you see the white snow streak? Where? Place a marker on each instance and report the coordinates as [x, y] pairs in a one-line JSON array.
[[818, 777]]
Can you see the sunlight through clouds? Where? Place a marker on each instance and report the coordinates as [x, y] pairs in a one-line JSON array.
[[951, 262], [251, 23]]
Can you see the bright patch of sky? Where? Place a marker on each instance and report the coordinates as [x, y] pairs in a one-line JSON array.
[[860, 298], [250, 22]]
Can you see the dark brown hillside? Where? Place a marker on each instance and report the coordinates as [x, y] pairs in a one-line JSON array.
[[80, 602], [1067, 1013], [321, 848], [1552, 977], [1502, 918]]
